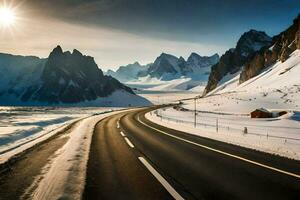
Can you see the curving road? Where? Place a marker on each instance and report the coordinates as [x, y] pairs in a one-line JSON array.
[[133, 158]]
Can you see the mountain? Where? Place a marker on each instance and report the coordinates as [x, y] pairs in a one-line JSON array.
[[269, 79], [18, 72], [165, 67], [282, 46], [169, 67], [129, 72], [196, 61], [64, 78], [234, 59]]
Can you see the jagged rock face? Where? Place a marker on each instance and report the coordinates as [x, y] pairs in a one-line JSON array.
[[196, 63], [234, 59], [71, 78], [283, 45], [251, 42], [164, 64], [168, 67]]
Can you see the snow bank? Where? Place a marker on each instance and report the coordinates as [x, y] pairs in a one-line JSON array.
[[234, 133], [23, 127], [22, 145], [64, 176]]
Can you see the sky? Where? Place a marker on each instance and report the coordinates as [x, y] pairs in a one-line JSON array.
[[119, 32]]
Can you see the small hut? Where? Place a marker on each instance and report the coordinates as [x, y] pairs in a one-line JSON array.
[[261, 113]]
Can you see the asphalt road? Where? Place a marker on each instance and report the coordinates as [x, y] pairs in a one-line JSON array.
[[133, 158]]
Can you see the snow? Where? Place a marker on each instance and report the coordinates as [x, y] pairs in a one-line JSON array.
[[165, 97], [176, 85], [276, 89], [64, 176], [179, 84], [23, 127], [280, 137]]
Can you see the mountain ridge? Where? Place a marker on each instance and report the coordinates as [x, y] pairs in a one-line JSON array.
[[168, 67], [63, 78], [233, 59]]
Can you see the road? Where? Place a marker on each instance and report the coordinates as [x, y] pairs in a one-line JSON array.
[[133, 158]]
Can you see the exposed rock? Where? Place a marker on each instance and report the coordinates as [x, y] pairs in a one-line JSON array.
[[72, 78], [169, 67], [164, 66], [63, 77], [233, 59], [283, 45]]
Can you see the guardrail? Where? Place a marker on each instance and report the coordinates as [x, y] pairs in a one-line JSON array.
[[217, 127]]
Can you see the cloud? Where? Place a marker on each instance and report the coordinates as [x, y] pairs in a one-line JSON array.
[[117, 32], [110, 48]]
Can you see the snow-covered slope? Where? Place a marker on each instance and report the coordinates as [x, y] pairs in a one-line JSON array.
[[277, 87], [168, 73], [235, 58], [224, 113], [129, 72], [176, 85]]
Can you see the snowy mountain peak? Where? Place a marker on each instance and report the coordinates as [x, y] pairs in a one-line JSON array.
[[202, 61], [252, 41], [167, 57], [129, 72], [254, 53]]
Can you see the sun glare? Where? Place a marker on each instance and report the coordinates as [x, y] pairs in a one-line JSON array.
[[7, 16]]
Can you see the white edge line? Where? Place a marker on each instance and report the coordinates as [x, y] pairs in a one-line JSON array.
[[129, 143], [222, 152], [121, 132], [161, 179]]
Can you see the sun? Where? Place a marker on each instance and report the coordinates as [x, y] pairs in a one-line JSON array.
[[7, 16]]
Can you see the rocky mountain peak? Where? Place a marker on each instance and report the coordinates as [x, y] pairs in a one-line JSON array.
[[72, 78], [202, 61], [235, 58], [283, 45], [76, 53], [137, 63], [252, 41], [56, 51], [181, 59]]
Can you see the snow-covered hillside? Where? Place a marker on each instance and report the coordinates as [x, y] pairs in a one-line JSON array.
[[179, 84], [226, 110], [277, 87], [129, 72], [168, 73]]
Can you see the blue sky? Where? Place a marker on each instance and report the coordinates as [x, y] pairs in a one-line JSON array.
[[139, 30]]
